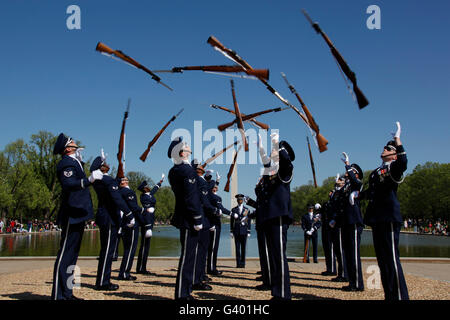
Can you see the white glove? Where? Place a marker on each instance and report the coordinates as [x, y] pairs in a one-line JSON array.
[[259, 143], [337, 177], [312, 230], [78, 154], [397, 133], [219, 212], [353, 196], [162, 177], [148, 233], [151, 209], [344, 157], [102, 155], [95, 175], [236, 216], [231, 235], [248, 235], [212, 228], [308, 233], [275, 137], [121, 214], [217, 176], [317, 206], [198, 227], [120, 230], [131, 224], [332, 223]]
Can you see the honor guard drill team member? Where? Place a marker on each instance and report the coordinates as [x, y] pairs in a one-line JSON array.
[[214, 234], [310, 224], [352, 224], [203, 243], [240, 225], [277, 212], [148, 202], [130, 230], [188, 214], [336, 222], [76, 208], [383, 215], [110, 203], [262, 242], [327, 244]]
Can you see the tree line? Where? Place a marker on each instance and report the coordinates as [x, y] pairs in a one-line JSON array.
[[29, 187]]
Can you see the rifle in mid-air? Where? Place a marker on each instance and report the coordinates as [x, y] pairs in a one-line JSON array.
[[263, 73], [121, 151], [239, 122], [230, 172], [312, 163], [215, 156], [104, 49], [258, 123], [360, 98], [155, 138]]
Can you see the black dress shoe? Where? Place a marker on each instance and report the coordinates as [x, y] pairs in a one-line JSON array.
[[202, 286], [316, 261], [349, 288], [215, 272], [188, 298], [279, 298], [129, 278], [259, 272], [328, 273], [107, 287], [262, 287], [75, 298], [206, 279], [260, 278], [339, 279], [114, 259], [148, 273]]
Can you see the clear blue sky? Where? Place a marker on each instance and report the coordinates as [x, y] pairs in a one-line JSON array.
[[52, 78]]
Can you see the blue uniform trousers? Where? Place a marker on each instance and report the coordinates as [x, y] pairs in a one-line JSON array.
[[202, 252], [352, 240], [143, 251], [275, 231], [312, 242], [66, 260], [385, 241], [189, 242], [338, 247], [130, 237], [108, 239], [214, 239], [327, 244], [240, 243], [263, 257]]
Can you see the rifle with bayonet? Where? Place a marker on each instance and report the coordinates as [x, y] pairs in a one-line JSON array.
[[121, 150], [249, 117], [321, 141], [312, 163], [239, 122], [160, 132], [360, 98], [258, 123], [104, 49], [263, 73], [230, 171], [218, 154], [230, 54]]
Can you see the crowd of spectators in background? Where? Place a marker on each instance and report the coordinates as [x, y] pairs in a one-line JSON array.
[[427, 226]]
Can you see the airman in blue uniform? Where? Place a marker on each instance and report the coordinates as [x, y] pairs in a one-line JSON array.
[[352, 225], [76, 208], [188, 214], [276, 212], [327, 244], [110, 203], [148, 202], [383, 215], [130, 230], [240, 225], [310, 225]]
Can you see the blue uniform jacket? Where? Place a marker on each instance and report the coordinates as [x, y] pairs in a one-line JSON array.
[[110, 202], [76, 202], [308, 223], [148, 201], [210, 211], [188, 205], [382, 191], [216, 201], [130, 199], [236, 227], [352, 213], [336, 206], [276, 194]]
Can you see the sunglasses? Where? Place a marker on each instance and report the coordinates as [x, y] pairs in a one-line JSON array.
[[389, 148]]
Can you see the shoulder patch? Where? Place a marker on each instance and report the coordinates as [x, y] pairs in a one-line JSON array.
[[205, 192], [130, 197], [192, 180], [68, 173], [115, 187]]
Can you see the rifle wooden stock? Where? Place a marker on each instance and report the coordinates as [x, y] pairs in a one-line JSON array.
[[230, 171], [239, 122], [218, 154], [360, 98], [233, 55], [143, 157], [258, 123], [312, 163], [248, 117], [101, 47], [305, 255], [120, 170], [321, 141], [263, 73]]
